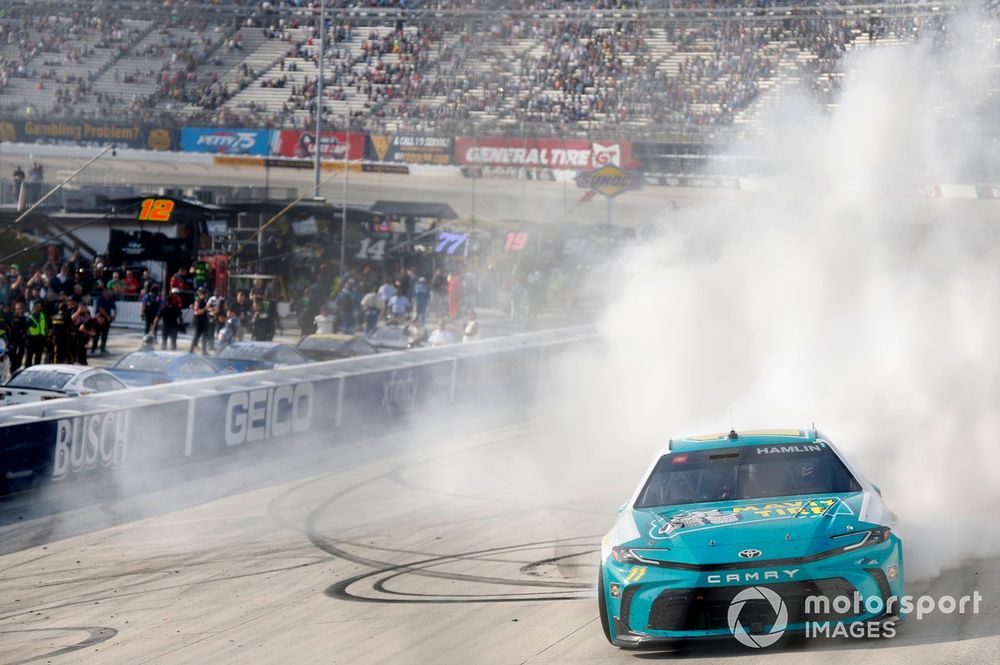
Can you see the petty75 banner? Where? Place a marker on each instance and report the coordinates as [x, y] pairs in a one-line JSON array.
[[301, 144], [568, 154]]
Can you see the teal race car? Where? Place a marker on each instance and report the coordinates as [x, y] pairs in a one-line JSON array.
[[749, 535]]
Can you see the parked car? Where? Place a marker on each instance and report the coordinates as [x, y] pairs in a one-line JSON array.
[[43, 382], [397, 338], [249, 356], [149, 368], [332, 347]]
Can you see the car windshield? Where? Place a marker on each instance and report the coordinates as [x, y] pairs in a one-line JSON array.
[[388, 335], [323, 344], [41, 379], [238, 352], [144, 362], [748, 472]]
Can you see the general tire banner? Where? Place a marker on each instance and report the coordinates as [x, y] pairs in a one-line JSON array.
[[226, 140], [300, 144], [408, 149], [568, 154], [83, 133]]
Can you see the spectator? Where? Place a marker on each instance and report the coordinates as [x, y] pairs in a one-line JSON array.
[[441, 336], [17, 337], [399, 307], [324, 321], [228, 331], [439, 292], [38, 328], [105, 313], [115, 284], [372, 307], [130, 285], [85, 328], [63, 339], [18, 176], [421, 298], [169, 316], [304, 310], [150, 307], [216, 310], [199, 308], [454, 294], [244, 310], [345, 311], [262, 328], [386, 292], [471, 331]]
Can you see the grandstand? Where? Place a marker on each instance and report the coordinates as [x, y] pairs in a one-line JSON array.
[[678, 71]]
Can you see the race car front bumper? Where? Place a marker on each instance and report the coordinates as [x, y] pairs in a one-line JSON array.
[[653, 603]]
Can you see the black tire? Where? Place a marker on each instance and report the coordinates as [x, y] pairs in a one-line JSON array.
[[602, 604]]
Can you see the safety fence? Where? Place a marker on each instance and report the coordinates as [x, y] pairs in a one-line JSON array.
[[147, 428]]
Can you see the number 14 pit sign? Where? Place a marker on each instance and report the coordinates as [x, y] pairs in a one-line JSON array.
[[609, 181]]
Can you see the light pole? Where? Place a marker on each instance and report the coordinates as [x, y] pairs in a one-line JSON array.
[[343, 209], [317, 143]]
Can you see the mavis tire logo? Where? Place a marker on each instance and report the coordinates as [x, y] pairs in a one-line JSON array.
[[268, 413], [757, 640], [87, 442]]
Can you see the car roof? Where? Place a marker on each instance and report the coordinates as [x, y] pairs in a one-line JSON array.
[[256, 345], [333, 337], [61, 367], [161, 354], [734, 439]]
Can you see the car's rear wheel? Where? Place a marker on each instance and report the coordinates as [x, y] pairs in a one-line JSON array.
[[602, 603]]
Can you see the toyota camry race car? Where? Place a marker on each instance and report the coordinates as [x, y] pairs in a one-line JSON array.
[[749, 535]]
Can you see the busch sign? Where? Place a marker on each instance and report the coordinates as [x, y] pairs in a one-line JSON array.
[[87, 442]]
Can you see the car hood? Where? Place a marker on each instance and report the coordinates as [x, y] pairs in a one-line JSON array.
[[717, 532]]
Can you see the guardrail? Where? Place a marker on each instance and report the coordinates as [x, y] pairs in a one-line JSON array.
[[148, 427]]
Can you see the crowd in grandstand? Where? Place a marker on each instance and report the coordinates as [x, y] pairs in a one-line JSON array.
[[417, 71]]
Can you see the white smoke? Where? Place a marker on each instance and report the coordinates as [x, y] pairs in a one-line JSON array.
[[840, 295]]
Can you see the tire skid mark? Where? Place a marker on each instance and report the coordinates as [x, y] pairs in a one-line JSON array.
[[97, 635]]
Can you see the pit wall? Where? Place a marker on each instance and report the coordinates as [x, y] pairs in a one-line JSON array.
[[77, 438]]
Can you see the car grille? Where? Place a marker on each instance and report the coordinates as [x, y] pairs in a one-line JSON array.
[[708, 608]]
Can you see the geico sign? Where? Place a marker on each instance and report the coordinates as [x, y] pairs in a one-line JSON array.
[[268, 412], [89, 441]]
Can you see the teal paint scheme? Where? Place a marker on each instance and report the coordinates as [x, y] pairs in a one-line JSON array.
[[715, 515]]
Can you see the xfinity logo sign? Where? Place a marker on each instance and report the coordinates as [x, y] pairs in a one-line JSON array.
[[400, 392], [746, 578], [229, 141]]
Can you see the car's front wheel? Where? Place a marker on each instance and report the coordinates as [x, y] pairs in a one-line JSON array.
[[602, 604]]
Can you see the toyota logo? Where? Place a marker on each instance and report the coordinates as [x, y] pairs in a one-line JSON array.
[[750, 554]]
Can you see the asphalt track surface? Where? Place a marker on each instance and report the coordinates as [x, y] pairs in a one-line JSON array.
[[458, 544]]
